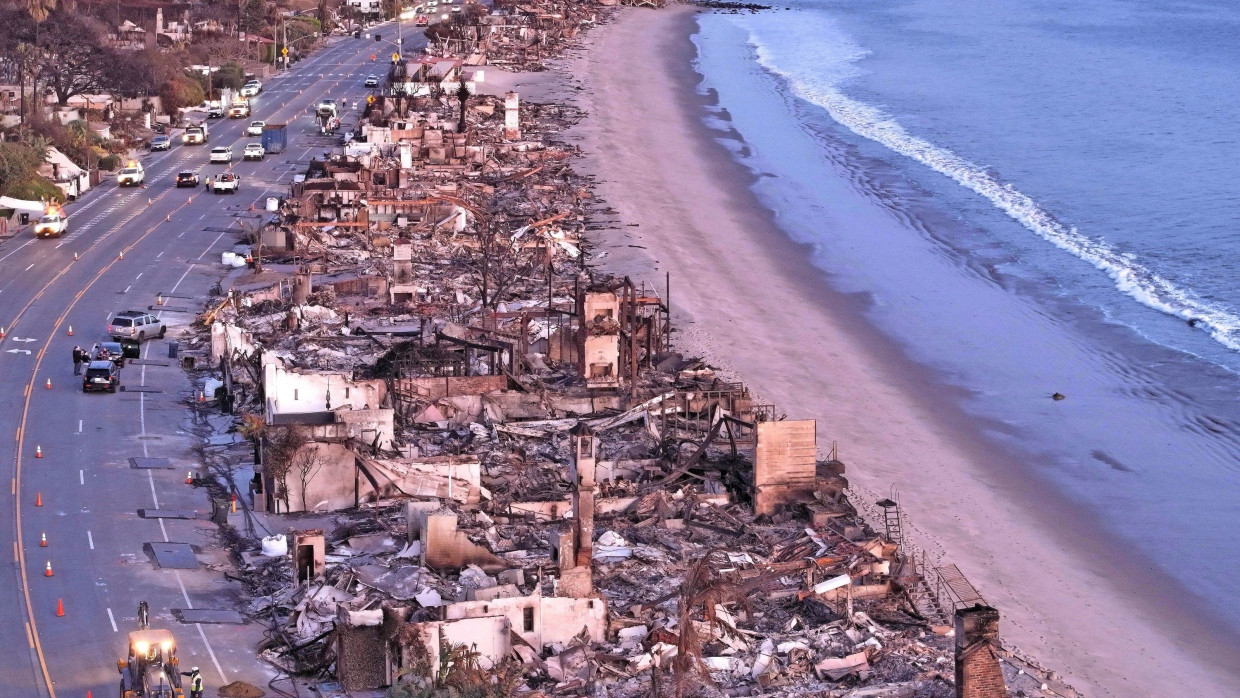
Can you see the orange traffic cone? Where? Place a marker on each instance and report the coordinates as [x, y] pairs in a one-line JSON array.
[[75, 256], [159, 299], [49, 383], [60, 608], [1, 333], [70, 330], [189, 477], [122, 255], [48, 571], [234, 502], [43, 541], [38, 499], [201, 397], [38, 451]]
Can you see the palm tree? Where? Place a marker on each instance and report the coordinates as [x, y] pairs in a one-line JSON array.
[[40, 10]]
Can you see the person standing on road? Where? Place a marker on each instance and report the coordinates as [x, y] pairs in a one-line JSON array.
[[195, 683], [79, 355]]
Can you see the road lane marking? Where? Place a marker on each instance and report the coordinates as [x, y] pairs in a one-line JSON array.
[[79, 426], [81, 477], [29, 635], [116, 205], [112, 621], [127, 288], [17, 249], [90, 540], [30, 267], [139, 276]]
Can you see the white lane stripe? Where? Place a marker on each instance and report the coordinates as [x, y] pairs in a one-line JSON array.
[[112, 621], [30, 267], [91, 540], [155, 497], [81, 477]]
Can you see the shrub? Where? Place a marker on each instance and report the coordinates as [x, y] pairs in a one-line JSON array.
[[230, 76], [36, 188], [180, 92], [109, 162]]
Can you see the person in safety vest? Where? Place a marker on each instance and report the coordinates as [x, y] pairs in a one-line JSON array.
[[195, 683]]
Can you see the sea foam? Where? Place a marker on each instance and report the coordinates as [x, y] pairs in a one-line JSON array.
[[818, 77]]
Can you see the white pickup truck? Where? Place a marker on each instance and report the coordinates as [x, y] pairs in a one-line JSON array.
[[52, 225], [131, 175]]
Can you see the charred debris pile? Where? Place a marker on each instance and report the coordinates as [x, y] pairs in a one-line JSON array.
[[492, 472]]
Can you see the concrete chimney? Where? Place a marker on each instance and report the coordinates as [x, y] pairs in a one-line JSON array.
[[512, 116]]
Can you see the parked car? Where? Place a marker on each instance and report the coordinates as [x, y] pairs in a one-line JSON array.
[[51, 225], [372, 81], [188, 178], [101, 375], [255, 128], [117, 352], [227, 183], [222, 154], [253, 151], [131, 175], [161, 142], [135, 324]]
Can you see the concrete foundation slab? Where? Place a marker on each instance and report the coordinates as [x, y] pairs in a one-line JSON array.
[[174, 556]]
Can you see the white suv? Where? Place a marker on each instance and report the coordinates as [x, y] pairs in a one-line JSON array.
[[253, 151], [135, 324], [221, 154]]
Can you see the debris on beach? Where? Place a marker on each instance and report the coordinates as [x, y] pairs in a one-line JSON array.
[[494, 469]]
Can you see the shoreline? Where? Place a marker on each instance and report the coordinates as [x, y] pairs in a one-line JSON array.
[[676, 178]]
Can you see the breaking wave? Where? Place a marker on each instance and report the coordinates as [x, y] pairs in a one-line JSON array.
[[819, 84]]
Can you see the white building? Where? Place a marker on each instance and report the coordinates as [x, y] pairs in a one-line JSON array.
[[369, 7], [72, 179]]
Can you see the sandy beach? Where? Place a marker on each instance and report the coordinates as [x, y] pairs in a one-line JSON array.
[[748, 300]]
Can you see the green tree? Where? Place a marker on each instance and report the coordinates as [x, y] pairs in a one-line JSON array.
[[253, 19], [229, 75], [19, 171], [180, 92]]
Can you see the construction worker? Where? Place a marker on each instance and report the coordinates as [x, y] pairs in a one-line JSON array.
[[208, 183], [195, 683]]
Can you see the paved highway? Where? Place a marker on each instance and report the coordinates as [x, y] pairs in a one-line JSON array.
[[130, 244]]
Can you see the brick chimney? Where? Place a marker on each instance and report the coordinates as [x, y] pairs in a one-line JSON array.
[[978, 674]]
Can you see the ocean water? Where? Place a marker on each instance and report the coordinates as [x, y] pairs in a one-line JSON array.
[[1036, 197]]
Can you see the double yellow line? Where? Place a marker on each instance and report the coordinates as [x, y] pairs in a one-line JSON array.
[[32, 628]]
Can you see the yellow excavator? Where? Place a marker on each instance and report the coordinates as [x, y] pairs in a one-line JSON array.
[[152, 669]]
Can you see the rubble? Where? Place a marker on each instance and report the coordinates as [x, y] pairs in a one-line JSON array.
[[492, 467]]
